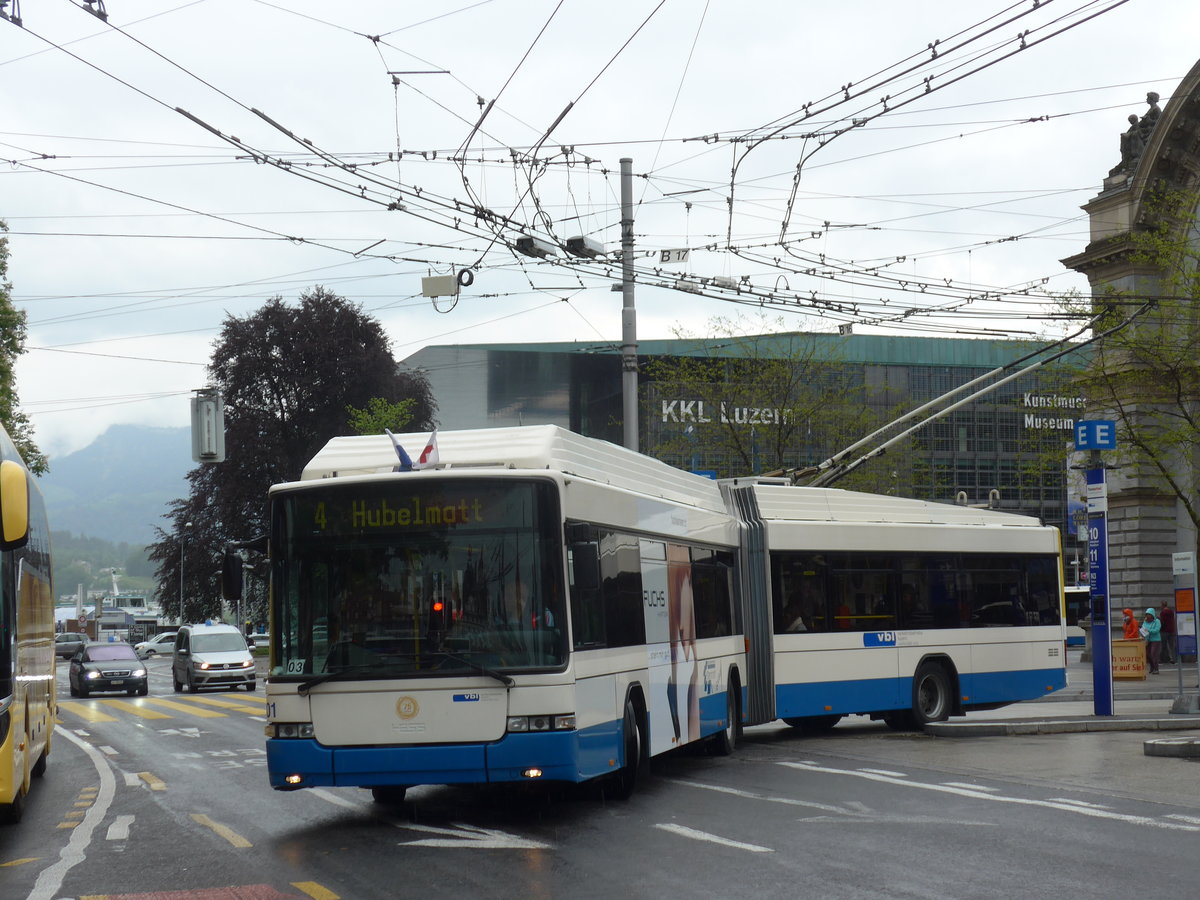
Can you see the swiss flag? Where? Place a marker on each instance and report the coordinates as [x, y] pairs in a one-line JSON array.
[[429, 456]]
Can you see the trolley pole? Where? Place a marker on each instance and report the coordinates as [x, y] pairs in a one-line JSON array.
[[629, 359], [1095, 436]]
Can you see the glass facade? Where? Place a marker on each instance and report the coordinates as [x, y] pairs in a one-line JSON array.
[[1008, 447]]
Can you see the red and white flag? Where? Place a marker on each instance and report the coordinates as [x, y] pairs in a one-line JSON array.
[[429, 456]]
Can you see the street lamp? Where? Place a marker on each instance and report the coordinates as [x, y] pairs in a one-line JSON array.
[[186, 526]]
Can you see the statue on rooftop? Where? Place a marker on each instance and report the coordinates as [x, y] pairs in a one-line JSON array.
[[1135, 138]]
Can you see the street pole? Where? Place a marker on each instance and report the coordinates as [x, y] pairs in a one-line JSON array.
[[629, 360], [1102, 677], [187, 526]]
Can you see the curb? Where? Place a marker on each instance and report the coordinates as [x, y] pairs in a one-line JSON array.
[[1182, 748], [1062, 726]]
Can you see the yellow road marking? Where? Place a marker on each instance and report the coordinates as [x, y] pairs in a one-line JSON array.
[[135, 709], [67, 824], [19, 862], [235, 705], [86, 711], [315, 890], [197, 711], [223, 830], [153, 781]]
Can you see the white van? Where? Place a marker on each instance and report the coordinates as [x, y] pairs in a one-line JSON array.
[[211, 656]]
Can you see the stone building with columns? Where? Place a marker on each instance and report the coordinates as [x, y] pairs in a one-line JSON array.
[[1148, 506]]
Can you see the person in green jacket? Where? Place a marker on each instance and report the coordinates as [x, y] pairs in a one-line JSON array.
[[1152, 632]]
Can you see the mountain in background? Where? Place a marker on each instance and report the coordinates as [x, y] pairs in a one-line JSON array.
[[118, 487]]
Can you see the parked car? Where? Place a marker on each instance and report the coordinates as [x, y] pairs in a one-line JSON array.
[[69, 643], [211, 656], [112, 666], [163, 642]]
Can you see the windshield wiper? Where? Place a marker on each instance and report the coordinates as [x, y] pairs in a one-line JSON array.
[[306, 686], [505, 680]]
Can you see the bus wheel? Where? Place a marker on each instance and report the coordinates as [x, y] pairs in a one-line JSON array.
[[626, 780], [725, 741], [389, 794], [813, 724], [11, 813], [931, 694], [39, 767]]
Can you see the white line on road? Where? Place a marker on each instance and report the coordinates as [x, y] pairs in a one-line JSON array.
[[971, 787], [119, 829], [50, 879], [684, 831], [884, 772], [999, 798]]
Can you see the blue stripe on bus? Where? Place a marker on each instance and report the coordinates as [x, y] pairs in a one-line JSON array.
[[562, 755], [878, 694]]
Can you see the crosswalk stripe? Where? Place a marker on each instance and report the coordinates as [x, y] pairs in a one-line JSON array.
[[86, 711], [197, 711], [135, 709], [235, 705]]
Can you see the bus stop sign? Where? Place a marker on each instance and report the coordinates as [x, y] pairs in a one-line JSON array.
[[1095, 434]]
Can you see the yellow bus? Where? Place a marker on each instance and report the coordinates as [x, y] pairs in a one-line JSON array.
[[27, 696]]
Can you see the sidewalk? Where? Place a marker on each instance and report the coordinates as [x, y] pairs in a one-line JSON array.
[[1138, 706]]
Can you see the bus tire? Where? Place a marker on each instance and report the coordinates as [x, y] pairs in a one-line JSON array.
[[725, 741], [176, 684], [11, 813], [931, 694], [389, 794], [813, 724], [39, 767], [634, 738]]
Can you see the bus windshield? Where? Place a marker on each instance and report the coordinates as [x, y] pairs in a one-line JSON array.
[[403, 577]]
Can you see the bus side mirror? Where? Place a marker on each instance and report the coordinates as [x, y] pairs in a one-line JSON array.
[[14, 505]]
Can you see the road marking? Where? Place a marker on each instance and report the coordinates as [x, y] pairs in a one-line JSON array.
[[235, 705], [970, 787], [198, 712], [85, 711], [19, 862], [152, 781], [750, 795], [119, 829], [884, 772], [1079, 803], [472, 837], [1191, 820], [134, 709], [223, 830], [184, 732], [132, 780], [314, 890], [109, 751], [695, 835], [334, 799], [50, 879], [977, 794]]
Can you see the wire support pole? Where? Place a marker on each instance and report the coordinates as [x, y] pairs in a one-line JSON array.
[[629, 358]]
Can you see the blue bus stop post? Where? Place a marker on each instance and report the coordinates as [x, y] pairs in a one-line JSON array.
[[1102, 680]]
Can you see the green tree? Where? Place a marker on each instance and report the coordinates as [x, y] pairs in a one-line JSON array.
[[288, 376], [12, 345], [380, 415], [748, 400]]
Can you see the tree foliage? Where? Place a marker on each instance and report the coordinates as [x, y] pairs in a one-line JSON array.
[[1147, 375], [289, 377], [12, 345]]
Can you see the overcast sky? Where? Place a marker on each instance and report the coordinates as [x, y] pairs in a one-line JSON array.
[[904, 167]]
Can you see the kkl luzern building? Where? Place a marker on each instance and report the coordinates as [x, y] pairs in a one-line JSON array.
[[1008, 447]]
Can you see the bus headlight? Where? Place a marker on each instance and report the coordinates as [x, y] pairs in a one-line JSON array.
[[558, 722], [289, 730]]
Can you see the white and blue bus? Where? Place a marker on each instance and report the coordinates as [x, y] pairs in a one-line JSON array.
[[902, 610], [541, 605]]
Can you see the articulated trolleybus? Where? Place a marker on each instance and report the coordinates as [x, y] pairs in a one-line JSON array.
[[541, 605], [27, 698]]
